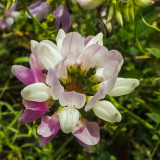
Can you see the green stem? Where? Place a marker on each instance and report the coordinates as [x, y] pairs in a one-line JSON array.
[[34, 19], [61, 148], [137, 118]]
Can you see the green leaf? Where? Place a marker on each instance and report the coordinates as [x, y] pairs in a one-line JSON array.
[[21, 60], [155, 137], [154, 51], [154, 116], [9, 3]]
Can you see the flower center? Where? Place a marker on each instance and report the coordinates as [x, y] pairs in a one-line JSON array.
[[81, 80]]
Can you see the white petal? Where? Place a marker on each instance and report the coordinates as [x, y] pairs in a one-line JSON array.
[[124, 86], [48, 55], [68, 119], [33, 44], [38, 92], [15, 14], [60, 37], [106, 111], [98, 39], [9, 21]]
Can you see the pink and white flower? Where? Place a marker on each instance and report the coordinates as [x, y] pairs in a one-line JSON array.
[[69, 72]]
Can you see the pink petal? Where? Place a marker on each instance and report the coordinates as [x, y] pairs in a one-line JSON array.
[[99, 95], [72, 43], [86, 40], [29, 115], [113, 69], [36, 106], [45, 140], [87, 132], [36, 68], [89, 148], [56, 87], [49, 126], [73, 98], [116, 56], [99, 56], [24, 74]]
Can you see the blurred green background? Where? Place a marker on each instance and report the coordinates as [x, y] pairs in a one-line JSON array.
[[139, 44]]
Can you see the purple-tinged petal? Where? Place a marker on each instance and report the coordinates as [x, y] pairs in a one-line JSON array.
[[99, 95], [87, 132], [62, 16], [73, 98], [110, 69], [36, 68], [29, 115], [86, 40], [45, 140], [56, 87], [36, 106], [49, 126], [116, 56], [88, 147], [72, 43], [98, 39], [113, 69], [24, 74], [39, 10]]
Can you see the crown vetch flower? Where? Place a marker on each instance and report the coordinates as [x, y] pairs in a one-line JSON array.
[[68, 72], [39, 9], [62, 17], [8, 15]]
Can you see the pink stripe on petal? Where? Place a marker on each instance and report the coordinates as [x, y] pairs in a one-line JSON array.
[[49, 126], [87, 132], [99, 95], [72, 98], [29, 115], [72, 43], [56, 87], [87, 39], [36, 106], [36, 67], [24, 74]]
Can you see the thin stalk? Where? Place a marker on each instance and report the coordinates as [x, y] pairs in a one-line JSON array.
[[137, 118], [62, 146], [34, 19]]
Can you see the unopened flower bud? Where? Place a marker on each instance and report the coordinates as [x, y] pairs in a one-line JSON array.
[[124, 86], [68, 119], [143, 3], [106, 111], [119, 16]]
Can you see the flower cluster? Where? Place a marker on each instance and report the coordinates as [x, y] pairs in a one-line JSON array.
[[75, 75], [8, 15]]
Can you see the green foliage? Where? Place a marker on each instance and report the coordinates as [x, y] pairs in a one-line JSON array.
[[138, 41]]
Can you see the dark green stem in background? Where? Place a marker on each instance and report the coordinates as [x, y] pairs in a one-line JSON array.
[[126, 111]]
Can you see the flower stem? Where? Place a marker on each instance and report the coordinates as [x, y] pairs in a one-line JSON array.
[[34, 19], [137, 118], [62, 147]]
